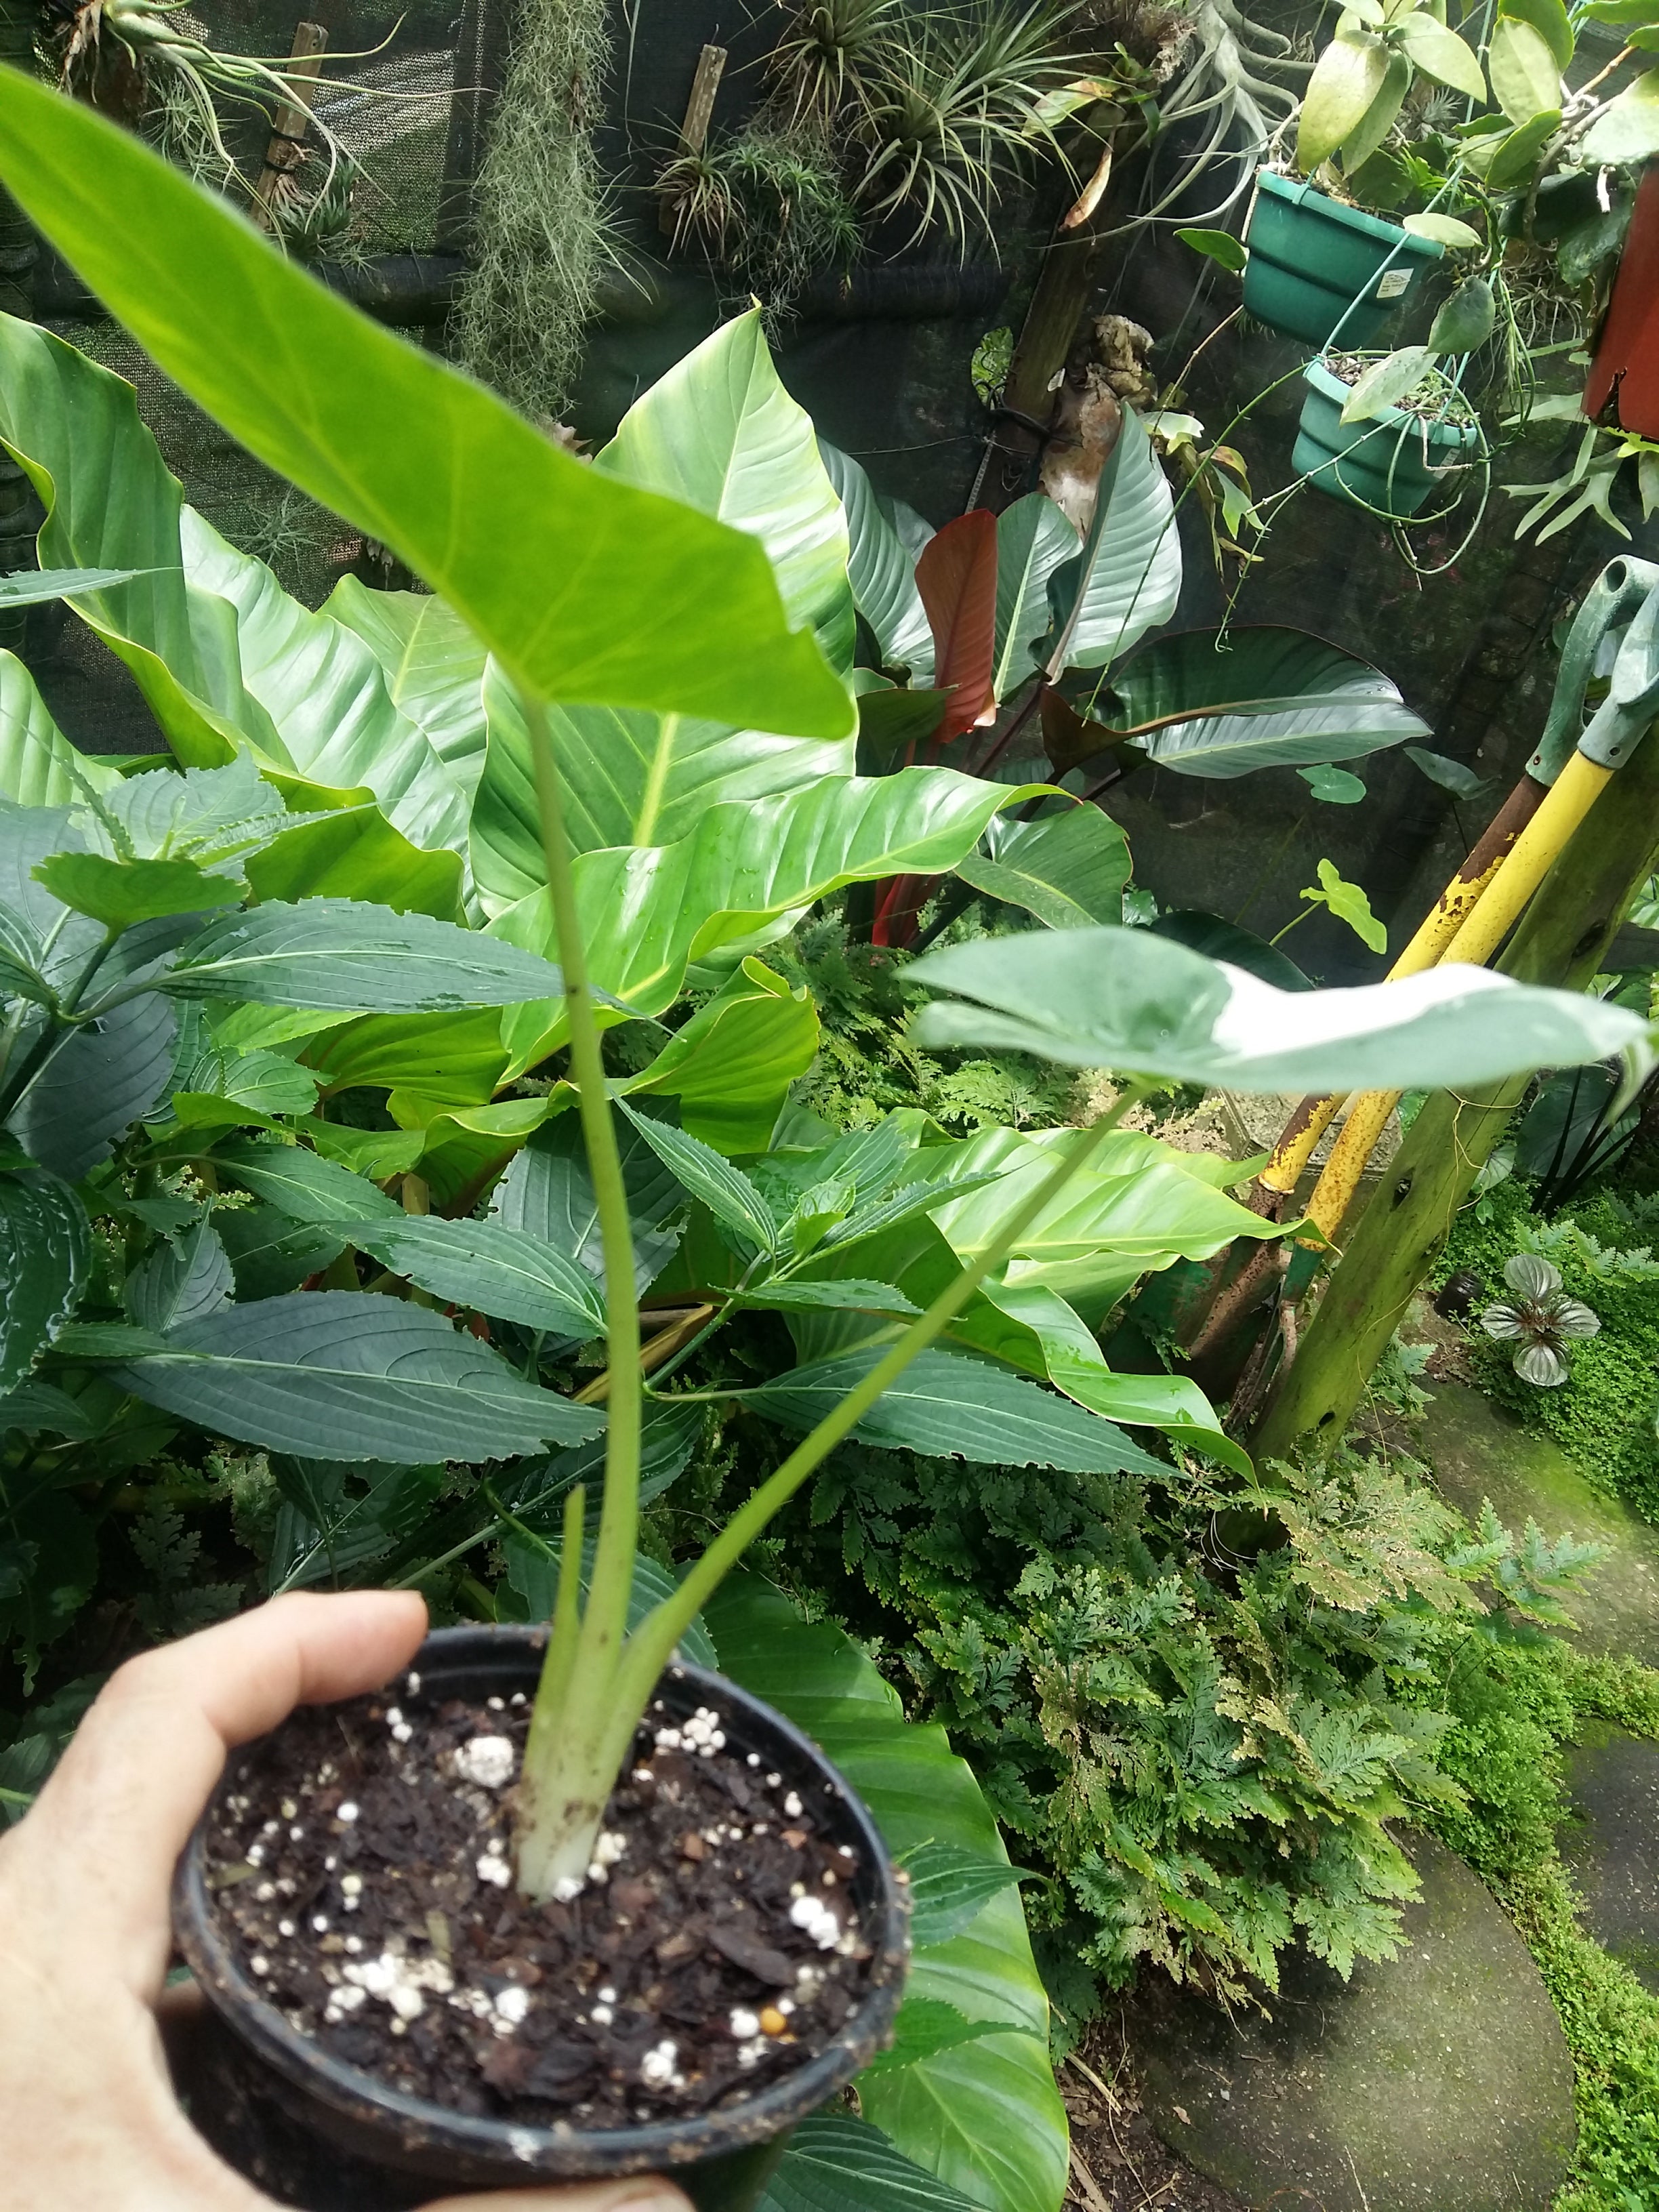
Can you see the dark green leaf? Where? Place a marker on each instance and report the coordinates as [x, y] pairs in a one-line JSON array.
[[361, 959], [304, 1186], [492, 1270], [42, 1406], [862, 1296], [59, 1547], [532, 1568], [1452, 775], [120, 892], [46, 1250], [1225, 940], [175, 1284], [892, 718], [835, 2163], [1213, 705], [99, 1081], [269, 1252], [339, 1520], [1465, 320], [1333, 787], [724, 1189], [34, 587], [1219, 245], [925, 2027], [609, 593], [944, 1404], [341, 1375], [949, 1888], [548, 1193]]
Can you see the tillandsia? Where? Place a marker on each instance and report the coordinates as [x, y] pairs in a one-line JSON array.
[[1541, 1320]]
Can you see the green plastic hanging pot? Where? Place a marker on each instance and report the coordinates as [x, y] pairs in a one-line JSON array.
[[1326, 273], [1389, 464]]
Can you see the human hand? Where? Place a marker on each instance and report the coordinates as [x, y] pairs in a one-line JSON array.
[[88, 2115]]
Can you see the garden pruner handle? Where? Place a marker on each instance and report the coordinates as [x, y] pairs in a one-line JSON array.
[[1622, 594]]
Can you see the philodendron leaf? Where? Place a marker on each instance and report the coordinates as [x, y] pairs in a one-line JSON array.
[[1126, 579], [1349, 903], [1333, 787], [1127, 999], [1067, 869], [882, 570], [588, 588], [946, 1405], [342, 1375], [492, 1270], [985, 2116], [45, 1250], [1212, 704], [339, 953], [949, 1887], [120, 892]]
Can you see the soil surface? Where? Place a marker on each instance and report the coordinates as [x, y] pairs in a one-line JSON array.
[[361, 1863]]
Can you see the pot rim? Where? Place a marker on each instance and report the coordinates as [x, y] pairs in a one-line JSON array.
[[1321, 380], [1302, 193], [563, 2150]]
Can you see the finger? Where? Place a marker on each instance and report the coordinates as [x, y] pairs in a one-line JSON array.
[[644, 2192], [96, 1853]]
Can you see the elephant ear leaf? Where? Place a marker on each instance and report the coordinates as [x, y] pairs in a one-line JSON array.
[[1207, 704], [881, 567], [1126, 579]]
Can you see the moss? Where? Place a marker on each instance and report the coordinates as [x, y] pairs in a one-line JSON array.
[[1517, 1707], [1603, 1417]]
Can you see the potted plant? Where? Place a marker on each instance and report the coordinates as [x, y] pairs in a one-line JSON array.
[[1322, 269], [1388, 460]]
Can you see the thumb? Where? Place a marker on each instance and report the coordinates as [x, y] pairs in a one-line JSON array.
[[641, 2192]]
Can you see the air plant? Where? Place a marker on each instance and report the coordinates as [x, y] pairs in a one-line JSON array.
[[826, 63], [1539, 1321], [957, 107], [769, 203]]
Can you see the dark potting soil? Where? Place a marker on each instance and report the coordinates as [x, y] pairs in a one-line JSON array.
[[361, 1863]]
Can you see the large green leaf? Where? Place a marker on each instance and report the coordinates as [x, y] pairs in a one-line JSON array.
[[354, 852], [177, 1283], [1125, 999], [340, 1375], [547, 1192], [647, 914], [120, 892], [947, 1405], [327, 694], [45, 1250], [97, 1083], [1126, 579], [38, 767], [1210, 704], [720, 432], [1347, 78], [986, 2117], [725, 1190], [301, 1184], [1033, 539], [341, 953], [1067, 869], [882, 570], [433, 665], [587, 587], [631, 778]]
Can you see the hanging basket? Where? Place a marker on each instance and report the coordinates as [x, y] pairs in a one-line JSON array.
[[1389, 464], [1326, 273]]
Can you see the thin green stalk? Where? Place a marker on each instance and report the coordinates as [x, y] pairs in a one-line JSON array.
[[605, 1616], [653, 1641], [547, 1716]]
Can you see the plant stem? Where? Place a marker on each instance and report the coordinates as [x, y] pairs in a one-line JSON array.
[[653, 1640]]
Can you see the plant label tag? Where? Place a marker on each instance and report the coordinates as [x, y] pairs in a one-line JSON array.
[[1392, 282]]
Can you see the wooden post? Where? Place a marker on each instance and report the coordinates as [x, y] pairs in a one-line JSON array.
[[292, 122], [699, 113], [1063, 286], [1560, 940]]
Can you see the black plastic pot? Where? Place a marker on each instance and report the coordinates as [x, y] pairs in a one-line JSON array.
[[315, 2132]]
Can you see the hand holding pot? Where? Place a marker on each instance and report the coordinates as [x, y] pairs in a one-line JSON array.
[[87, 2114]]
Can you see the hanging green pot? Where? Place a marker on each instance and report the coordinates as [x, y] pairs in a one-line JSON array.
[[1390, 463], [1326, 273]]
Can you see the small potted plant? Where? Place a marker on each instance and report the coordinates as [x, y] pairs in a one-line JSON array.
[[1386, 457], [1321, 268]]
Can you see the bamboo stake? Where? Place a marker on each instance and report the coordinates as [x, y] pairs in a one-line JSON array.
[[291, 124]]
